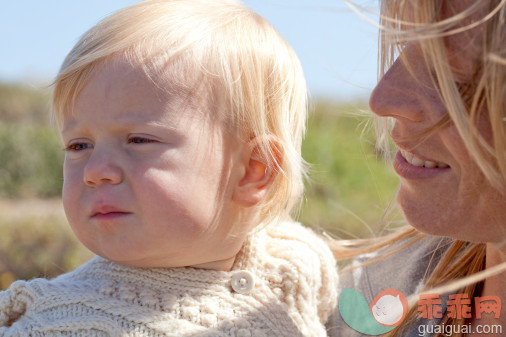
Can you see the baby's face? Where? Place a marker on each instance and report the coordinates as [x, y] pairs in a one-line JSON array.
[[148, 177]]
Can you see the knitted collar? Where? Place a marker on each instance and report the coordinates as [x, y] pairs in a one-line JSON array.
[[248, 259]]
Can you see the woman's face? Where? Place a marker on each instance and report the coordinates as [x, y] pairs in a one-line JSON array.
[[443, 191]]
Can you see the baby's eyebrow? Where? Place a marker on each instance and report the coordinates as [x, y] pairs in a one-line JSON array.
[[127, 122], [153, 125], [68, 127]]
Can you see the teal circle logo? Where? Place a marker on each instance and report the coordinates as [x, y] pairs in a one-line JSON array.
[[385, 312]]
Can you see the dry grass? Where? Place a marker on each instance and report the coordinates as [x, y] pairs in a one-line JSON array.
[[36, 241], [16, 210]]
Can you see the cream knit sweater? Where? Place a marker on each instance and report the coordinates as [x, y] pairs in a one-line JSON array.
[[283, 283]]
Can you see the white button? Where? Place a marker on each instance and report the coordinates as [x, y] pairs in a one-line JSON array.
[[242, 282]]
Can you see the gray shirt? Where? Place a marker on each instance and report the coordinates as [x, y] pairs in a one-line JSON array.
[[406, 270]]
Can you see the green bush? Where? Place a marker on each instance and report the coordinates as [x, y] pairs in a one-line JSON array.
[[350, 187], [24, 105], [31, 161], [30, 150]]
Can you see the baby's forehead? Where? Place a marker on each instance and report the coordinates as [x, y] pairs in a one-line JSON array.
[[176, 83], [178, 76], [184, 77]]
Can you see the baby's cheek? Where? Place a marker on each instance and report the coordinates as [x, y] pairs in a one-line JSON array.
[[74, 203], [69, 192]]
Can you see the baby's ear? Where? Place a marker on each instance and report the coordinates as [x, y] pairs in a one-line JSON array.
[[260, 170]]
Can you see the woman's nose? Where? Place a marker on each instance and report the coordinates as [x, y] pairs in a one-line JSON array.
[[102, 168], [401, 93]]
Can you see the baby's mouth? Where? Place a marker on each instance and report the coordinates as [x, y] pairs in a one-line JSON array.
[[416, 161]]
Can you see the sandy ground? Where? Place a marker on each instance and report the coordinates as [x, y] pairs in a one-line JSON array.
[[16, 209]]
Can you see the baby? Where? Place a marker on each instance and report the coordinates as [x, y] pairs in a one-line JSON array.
[[182, 123]]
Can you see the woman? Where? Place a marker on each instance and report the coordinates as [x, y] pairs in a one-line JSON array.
[[445, 93]]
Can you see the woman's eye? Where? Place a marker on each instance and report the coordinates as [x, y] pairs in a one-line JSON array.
[[78, 147], [140, 140]]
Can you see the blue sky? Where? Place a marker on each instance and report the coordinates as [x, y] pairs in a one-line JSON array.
[[337, 49]]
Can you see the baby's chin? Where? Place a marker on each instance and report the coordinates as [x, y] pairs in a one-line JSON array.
[[222, 265]]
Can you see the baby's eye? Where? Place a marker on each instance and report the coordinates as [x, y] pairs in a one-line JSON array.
[[75, 147], [140, 140]]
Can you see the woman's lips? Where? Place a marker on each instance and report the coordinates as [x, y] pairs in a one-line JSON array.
[[410, 166]]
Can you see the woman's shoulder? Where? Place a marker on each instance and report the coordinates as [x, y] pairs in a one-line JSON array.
[[403, 265]]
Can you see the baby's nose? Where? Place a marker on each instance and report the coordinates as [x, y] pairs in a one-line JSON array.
[[102, 167]]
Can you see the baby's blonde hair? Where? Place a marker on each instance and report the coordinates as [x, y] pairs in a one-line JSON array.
[[232, 48]]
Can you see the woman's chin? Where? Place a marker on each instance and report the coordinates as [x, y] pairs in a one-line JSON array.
[[426, 218]]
